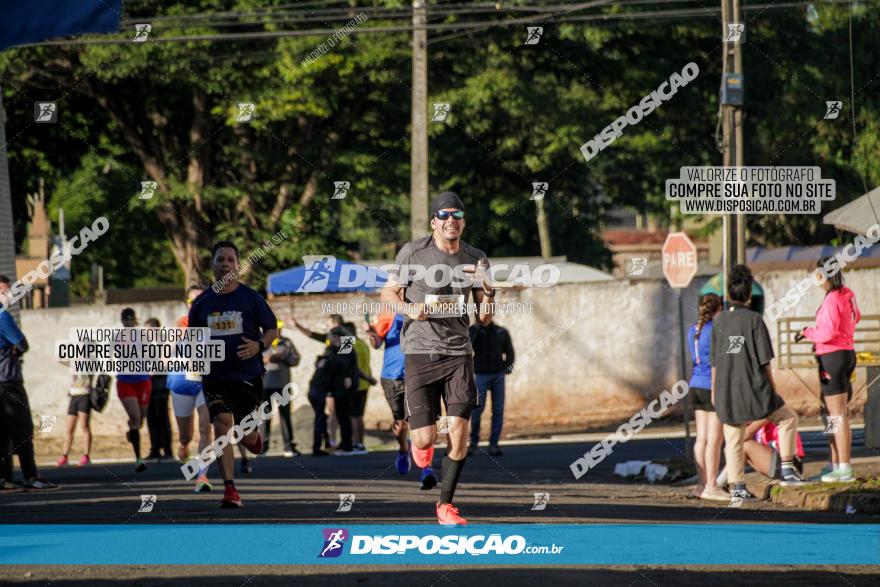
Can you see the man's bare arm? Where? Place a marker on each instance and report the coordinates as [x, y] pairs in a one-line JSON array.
[[487, 309]]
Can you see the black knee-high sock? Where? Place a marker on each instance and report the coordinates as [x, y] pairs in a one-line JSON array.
[[134, 437], [451, 473]]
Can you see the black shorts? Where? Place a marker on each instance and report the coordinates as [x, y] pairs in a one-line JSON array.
[[431, 377], [395, 393], [79, 403], [835, 370], [232, 396], [358, 403], [701, 399]]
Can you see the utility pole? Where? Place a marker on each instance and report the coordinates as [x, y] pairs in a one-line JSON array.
[[543, 230], [418, 216], [733, 227], [738, 140]]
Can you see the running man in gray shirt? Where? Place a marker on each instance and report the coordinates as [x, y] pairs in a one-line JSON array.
[[435, 277]]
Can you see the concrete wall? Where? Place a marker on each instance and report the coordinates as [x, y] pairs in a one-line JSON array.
[[588, 355]]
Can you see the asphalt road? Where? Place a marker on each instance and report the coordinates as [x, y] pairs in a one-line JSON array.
[[306, 490], [492, 490]]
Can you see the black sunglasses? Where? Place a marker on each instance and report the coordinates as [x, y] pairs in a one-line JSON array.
[[445, 214]]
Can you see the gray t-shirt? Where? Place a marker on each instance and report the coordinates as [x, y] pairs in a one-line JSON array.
[[436, 335], [277, 374], [740, 348]]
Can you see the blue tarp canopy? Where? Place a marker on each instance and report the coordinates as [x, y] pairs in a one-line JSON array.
[[326, 275], [31, 21]]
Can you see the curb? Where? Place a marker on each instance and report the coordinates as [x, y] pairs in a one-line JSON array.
[[860, 496]]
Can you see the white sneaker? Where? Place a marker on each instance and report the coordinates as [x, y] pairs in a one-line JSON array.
[[839, 476]]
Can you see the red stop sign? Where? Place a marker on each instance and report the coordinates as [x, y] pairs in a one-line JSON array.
[[679, 259]]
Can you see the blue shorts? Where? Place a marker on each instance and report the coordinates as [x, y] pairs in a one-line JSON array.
[[179, 384]]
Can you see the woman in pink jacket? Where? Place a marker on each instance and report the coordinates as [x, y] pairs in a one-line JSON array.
[[833, 337]]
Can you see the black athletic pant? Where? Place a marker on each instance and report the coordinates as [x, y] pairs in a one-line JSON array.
[[159, 423], [16, 430], [286, 425], [343, 415], [318, 399]]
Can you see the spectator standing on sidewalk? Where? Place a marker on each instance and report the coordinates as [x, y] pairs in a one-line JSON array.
[[743, 388], [493, 359], [16, 423], [707, 447], [278, 360], [359, 397], [158, 419]]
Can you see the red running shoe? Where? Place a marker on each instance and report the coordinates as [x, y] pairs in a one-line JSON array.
[[231, 499], [422, 457], [447, 515], [256, 447]]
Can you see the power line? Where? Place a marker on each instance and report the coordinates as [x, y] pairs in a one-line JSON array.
[[462, 26]]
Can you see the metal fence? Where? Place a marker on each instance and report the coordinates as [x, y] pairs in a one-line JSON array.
[[799, 355]]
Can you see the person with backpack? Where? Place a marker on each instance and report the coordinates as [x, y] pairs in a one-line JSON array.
[[278, 360], [707, 447]]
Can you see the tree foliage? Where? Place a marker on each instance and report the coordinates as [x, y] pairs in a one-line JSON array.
[[167, 112]]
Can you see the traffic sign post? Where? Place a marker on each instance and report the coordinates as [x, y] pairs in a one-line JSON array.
[[679, 259], [679, 267]]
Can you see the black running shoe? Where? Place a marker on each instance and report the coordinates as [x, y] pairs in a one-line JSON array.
[[428, 479], [39, 484]]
